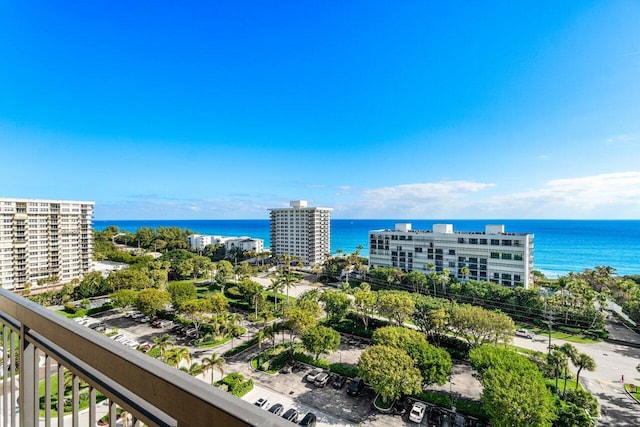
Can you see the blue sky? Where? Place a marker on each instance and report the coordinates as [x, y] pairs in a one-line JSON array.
[[412, 109]]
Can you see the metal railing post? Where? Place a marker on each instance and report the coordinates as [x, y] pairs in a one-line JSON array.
[[28, 381]]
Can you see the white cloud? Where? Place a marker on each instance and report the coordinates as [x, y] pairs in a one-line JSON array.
[[621, 139], [614, 195]]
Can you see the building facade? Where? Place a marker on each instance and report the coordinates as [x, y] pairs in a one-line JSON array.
[[44, 239], [490, 256], [301, 231], [244, 243]]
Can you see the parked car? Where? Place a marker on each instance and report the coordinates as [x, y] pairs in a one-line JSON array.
[[435, 417], [308, 420], [399, 409], [339, 382], [263, 403], [459, 420], [276, 409], [321, 380], [355, 387], [417, 412], [525, 333], [291, 415], [311, 376]]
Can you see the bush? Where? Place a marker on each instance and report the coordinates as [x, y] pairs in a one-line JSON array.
[[597, 333], [471, 407], [457, 348], [437, 398], [570, 330], [320, 363], [71, 308], [235, 384], [346, 370]]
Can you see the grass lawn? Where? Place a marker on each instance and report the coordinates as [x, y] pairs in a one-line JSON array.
[[571, 383], [83, 403], [580, 339], [635, 391]]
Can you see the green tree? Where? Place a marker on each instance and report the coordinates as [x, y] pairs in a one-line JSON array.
[[570, 352], [320, 339], [163, 342], [219, 303], [583, 361], [364, 302], [181, 292], [152, 300], [514, 391], [128, 278], [416, 280], [336, 304], [196, 311], [224, 273], [124, 297], [477, 325], [299, 320], [390, 371], [214, 361], [434, 363], [395, 305]]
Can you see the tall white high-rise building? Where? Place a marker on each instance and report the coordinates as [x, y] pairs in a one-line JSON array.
[[44, 239], [489, 256], [301, 231]]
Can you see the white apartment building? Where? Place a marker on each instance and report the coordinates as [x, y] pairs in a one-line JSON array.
[[491, 256], [244, 243], [40, 239], [301, 231]]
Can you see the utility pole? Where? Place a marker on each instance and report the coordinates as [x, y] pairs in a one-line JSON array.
[[549, 315]]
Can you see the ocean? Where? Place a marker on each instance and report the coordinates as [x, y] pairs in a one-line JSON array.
[[560, 246]]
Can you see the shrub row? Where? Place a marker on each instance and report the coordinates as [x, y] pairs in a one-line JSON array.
[[346, 370], [471, 407], [434, 397], [320, 363]]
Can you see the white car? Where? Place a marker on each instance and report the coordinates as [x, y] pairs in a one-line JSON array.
[[263, 403], [311, 376], [417, 412], [525, 333]]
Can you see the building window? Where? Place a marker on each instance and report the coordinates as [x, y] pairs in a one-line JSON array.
[[495, 255], [506, 256], [495, 242]]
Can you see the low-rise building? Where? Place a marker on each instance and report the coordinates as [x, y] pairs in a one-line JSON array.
[[199, 242], [493, 255]]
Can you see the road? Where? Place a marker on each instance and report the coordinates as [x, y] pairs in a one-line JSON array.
[[612, 361]]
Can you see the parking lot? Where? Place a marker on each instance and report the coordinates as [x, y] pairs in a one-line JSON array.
[[332, 406]]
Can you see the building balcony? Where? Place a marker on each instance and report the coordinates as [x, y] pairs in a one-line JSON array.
[[151, 392]]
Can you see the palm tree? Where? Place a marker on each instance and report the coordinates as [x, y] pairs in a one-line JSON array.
[[558, 360], [443, 278], [194, 369], [176, 355], [214, 361], [570, 352], [276, 287], [465, 273], [233, 331], [163, 342], [583, 361]]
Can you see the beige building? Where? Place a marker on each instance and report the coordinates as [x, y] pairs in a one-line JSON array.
[[42, 239], [301, 231], [490, 256]]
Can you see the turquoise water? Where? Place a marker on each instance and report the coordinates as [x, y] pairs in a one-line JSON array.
[[561, 246]]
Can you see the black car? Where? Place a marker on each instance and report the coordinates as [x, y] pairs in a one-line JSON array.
[[355, 387], [309, 420], [339, 382], [291, 415], [276, 409]]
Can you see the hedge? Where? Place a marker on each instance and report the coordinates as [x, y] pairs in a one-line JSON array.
[[346, 370], [320, 363], [439, 399], [471, 407]]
